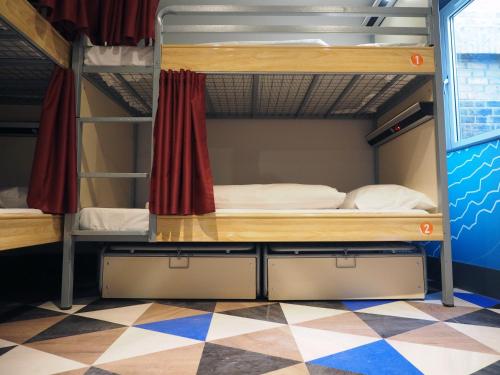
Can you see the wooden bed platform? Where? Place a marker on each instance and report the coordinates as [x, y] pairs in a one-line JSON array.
[[286, 227], [299, 59], [21, 230]]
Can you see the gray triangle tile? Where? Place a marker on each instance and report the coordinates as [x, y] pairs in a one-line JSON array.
[[493, 369], [74, 325], [482, 317], [25, 312], [218, 359], [322, 370], [387, 326], [104, 304], [270, 313], [6, 349], [208, 306], [98, 371]]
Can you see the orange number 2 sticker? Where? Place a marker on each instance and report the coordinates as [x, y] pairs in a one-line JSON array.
[[426, 228], [417, 59]]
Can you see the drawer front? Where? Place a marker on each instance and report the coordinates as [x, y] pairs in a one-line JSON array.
[[381, 277], [174, 277]]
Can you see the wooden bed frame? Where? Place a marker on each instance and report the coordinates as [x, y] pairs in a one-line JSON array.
[[21, 230]]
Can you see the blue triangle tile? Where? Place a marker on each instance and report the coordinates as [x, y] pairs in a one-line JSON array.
[[433, 296], [358, 305], [478, 299], [193, 327], [369, 359]]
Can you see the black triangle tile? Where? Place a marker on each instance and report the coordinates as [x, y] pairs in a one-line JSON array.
[[497, 306], [104, 304], [25, 312], [482, 317], [388, 326], [218, 359], [337, 305], [493, 369], [322, 370], [208, 306], [270, 313], [6, 349], [74, 325], [98, 371]]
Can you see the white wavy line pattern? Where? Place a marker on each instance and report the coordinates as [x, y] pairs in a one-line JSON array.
[[455, 204], [476, 204], [475, 171], [475, 156], [469, 227]]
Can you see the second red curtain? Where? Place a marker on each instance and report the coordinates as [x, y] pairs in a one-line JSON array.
[[181, 180]]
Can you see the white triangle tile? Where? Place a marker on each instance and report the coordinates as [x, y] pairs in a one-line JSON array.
[[223, 326], [489, 336], [399, 309], [27, 361], [6, 344], [120, 315], [299, 313], [135, 342], [315, 343], [495, 310], [457, 290], [434, 360], [52, 306]]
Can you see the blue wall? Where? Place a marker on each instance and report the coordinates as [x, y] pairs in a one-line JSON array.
[[474, 193]]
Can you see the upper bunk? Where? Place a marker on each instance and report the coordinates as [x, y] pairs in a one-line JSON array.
[[276, 61], [29, 49]]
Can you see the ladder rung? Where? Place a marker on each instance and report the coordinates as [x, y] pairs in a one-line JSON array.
[[84, 120], [112, 175], [147, 69]]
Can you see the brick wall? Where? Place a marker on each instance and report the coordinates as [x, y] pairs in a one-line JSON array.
[[479, 93]]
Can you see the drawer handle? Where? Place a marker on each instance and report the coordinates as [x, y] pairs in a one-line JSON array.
[[178, 262], [346, 262]]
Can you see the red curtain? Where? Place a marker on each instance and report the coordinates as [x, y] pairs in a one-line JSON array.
[[181, 180], [105, 22], [53, 183]]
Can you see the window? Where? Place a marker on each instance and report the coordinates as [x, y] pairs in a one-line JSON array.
[[471, 56]]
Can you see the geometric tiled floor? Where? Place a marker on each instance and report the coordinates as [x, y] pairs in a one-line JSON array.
[[296, 338]]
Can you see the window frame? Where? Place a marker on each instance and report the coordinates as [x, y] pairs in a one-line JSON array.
[[450, 99]]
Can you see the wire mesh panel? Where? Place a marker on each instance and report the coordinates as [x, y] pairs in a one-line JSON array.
[[365, 89], [389, 92], [325, 93], [122, 89], [229, 95], [24, 71], [280, 95], [142, 84]]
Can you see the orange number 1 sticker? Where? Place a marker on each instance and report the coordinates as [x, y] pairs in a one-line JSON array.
[[426, 228], [417, 59]]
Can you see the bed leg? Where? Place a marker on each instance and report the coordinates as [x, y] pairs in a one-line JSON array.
[[67, 265], [446, 274]]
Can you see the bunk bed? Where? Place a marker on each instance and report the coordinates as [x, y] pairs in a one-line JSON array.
[[29, 49], [325, 81]]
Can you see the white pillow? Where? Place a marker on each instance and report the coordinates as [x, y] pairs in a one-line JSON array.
[[387, 197], [14, 197], [277, 196]]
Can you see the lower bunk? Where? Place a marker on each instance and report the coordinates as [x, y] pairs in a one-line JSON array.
[[320, 271]]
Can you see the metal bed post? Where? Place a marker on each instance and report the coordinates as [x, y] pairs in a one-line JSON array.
[[446, 258], [71, 220]]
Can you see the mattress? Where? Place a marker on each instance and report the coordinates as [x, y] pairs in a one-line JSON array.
[[10, 211], [137, 219]]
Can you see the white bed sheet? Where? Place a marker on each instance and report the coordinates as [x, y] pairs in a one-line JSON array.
[[10, 211], [137, 219]]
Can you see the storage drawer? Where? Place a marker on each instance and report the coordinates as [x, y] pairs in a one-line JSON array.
[[339, 277], [193, 277]]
